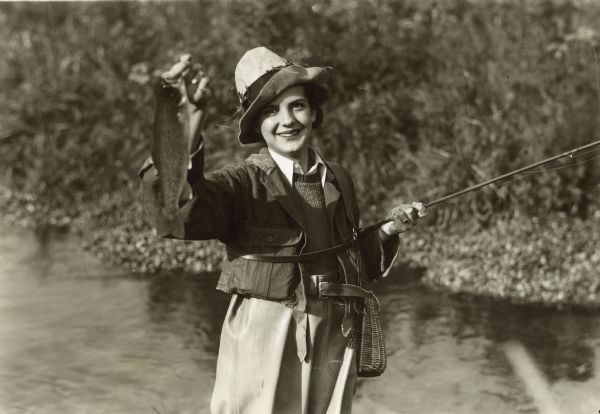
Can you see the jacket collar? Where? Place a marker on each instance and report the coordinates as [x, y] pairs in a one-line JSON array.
[[276, 183], [263, 160], [288, 166]]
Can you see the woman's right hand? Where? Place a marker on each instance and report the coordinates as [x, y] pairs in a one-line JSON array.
[[191, 82], [403, 217]]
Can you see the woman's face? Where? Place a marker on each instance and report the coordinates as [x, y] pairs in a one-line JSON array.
[[286, 122]]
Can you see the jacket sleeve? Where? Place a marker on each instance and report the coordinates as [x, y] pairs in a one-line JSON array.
[[378, 258], [211, 206]]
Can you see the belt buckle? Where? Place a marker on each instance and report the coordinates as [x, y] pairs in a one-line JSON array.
[[314, 285], [316, 280]]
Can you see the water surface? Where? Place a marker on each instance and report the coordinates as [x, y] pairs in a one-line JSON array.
[[77, 336]]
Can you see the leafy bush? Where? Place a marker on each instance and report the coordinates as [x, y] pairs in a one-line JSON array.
[[428, 97], [552, 260]]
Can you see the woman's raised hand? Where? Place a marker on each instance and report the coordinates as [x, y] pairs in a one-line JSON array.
[[191, 81]]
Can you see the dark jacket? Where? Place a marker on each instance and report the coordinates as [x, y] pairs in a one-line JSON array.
[[250, 208]]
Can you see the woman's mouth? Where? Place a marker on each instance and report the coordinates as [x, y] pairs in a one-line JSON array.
[[288, 134]]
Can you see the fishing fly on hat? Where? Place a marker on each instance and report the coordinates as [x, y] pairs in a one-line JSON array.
[[260, 76]]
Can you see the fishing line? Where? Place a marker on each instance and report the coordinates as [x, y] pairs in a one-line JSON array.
[[560, 162], [567, 165], [582, 153], [574, 160], [537, 171], [557, 165], [554, 166], [573, 164]]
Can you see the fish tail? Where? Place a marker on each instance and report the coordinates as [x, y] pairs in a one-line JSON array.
[[172, 224], [170, 228]]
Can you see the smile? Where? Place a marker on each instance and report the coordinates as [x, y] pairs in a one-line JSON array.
[[289, 134]]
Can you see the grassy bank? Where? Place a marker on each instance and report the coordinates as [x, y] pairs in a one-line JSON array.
[[551, 261]]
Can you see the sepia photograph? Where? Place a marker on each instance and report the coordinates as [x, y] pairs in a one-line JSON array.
[[300, 207]]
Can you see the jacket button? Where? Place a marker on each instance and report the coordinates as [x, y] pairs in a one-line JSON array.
[[270, 238]]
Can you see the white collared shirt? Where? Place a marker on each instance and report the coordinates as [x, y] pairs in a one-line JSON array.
[[286, 165]]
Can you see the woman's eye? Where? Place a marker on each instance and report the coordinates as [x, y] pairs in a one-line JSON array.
[[299, 105], [270, 110]]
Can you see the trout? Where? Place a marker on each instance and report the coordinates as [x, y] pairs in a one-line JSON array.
[[170, 152]]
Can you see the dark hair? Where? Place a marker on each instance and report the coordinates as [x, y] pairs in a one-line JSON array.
[[316, 95]]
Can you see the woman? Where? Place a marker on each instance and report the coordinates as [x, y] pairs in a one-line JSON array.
[[297, 268]]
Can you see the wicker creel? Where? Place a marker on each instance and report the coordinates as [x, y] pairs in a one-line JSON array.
[[369, 342]]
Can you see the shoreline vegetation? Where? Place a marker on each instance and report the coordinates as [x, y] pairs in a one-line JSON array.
[[552, 261], [441, 96]]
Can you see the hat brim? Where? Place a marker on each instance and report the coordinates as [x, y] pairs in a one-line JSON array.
[[289, 76]]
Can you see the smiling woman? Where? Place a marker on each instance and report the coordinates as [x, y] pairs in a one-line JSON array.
[[286, 124], [298, 271]]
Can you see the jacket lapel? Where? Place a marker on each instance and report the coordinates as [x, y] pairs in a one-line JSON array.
[[278, 187], [340, 177], [274, 181], [332, 196]]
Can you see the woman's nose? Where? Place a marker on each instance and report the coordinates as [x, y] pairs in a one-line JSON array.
[[286, 117]]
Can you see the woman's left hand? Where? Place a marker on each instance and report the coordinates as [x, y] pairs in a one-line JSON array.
[[404, 217]]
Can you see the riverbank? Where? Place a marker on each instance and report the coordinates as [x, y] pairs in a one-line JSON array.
[[552, 260]]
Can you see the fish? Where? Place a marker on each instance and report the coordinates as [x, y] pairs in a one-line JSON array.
[[170, 151]]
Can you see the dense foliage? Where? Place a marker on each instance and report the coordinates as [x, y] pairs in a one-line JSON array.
[[551, 260], [428, 97]]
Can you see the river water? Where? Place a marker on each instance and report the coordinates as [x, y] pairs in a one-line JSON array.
[[78, 336]]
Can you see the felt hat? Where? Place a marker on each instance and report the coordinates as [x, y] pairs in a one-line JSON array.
[[260, 76]]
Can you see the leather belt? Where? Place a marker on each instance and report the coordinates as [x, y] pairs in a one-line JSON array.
[[343, 290], [294, 258], [313, 282], [327, 285]]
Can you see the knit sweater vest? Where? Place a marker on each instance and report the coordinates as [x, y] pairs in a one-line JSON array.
[[318, 228]]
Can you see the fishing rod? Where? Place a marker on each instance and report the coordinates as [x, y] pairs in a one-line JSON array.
[[345, 245], [476, 187]]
